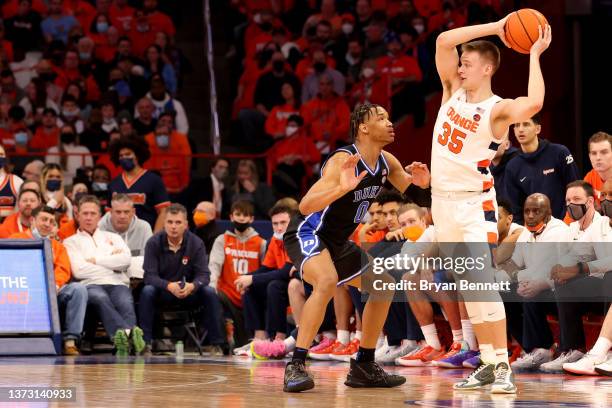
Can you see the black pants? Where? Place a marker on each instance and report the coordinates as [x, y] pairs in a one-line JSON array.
[[527, 318], [265, 307], [231, 311], [573, 302]]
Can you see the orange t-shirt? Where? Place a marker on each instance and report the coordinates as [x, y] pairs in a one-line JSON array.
[[276, 255], [593, 178], [121, 18], [327, 120], [11, 225], [43, 141], [400, 67], [241, 258], [174, 168], [61, 262], [276, 122]]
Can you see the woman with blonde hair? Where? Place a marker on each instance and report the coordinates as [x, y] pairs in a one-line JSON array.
[[52, 192]]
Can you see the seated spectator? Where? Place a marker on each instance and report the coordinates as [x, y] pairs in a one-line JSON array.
[[71, 296], [326, 117], [109, 122], [173, 55], [373, 87], [71, 72], [47, 133], [170, 155], [310, 89], [600, 154], [205, 224], [10, 184], [122, 220], [530, 267], [276, 122], [268, 93], [156, 19], [145, 188], [52, 194], [291, 160], [9, 86], [126, 128], [141, 33], [374, 230], [105, 37], [36, 101], [375, 41], [100, 178], [156, 65], [144, 121], [79, 190], [76, 90], [94, 137], [71, 114], [68, 154], [99, 260], [227, 263], [23, 27], [58, 23], [211, 188], [164, 102], [406, 77], [33, 170], [21, 220], [349, 64], [247, 187], [91, 67], [264, 292], [176, 272]]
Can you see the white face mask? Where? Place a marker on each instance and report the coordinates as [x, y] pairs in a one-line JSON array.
[[367, 72], [347, 28], [257, 18], [419, 28], [279, 235], [290, 130]]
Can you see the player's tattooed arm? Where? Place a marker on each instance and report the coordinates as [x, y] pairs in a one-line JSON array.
[[339, 177]]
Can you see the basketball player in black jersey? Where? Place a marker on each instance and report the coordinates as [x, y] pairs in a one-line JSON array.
[[317, 241]]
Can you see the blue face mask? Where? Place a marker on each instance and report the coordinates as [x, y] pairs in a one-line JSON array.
[[84, 55], [127, 163], [162, 141], [98, 186], [21, 138], [54, 185], [102, 27]]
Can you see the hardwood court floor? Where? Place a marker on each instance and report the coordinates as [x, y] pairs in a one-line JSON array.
[[238, 382]]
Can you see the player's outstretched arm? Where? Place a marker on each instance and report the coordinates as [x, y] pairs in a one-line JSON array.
[[338, 179], [511, 111], [447, 58]]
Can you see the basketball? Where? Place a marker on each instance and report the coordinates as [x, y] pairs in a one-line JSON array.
[[521, 29]]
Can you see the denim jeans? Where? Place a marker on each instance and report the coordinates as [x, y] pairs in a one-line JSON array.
[[153, 297], [72, 303], [115, 306]]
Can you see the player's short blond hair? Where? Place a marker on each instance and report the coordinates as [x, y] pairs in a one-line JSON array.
[[600, 137], [411, 206], [486, 49]]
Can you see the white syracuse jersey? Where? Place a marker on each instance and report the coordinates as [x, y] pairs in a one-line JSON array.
[[463, 145]]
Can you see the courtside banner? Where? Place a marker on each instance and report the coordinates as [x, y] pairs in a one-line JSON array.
[[482, 271], [24, 301]]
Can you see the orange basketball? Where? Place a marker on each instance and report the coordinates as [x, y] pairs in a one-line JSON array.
[[521, 29]]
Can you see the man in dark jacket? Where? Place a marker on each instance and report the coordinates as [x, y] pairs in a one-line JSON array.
[[541, 167], [176, 272]]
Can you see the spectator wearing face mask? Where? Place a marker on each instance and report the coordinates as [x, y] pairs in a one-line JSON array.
[[170, 153], [69, 154], [292, 159], [205, 224], [70, 114], [237, 252], [52, 192], [311, 83], [276, 122], [145, 188], [71, 72], [374, 87]]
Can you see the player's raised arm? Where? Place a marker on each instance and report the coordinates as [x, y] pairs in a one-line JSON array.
[[338, 179], [447, 58], [511, 111]]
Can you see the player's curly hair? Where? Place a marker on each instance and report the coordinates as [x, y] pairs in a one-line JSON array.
[[359, 116], [137, 145]]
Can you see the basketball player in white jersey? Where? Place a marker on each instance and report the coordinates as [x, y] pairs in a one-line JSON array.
[[471, 123]]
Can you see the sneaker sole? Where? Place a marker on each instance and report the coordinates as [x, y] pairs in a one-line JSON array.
[[471, 388], [580, 372], [321, 357], [413, 363], [344, 358], [442, 364], [305, 386], [604, 372], [499, 390], [358, 384], [121, 343]]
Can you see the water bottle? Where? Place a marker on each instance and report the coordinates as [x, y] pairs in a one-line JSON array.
[[179, 349]]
